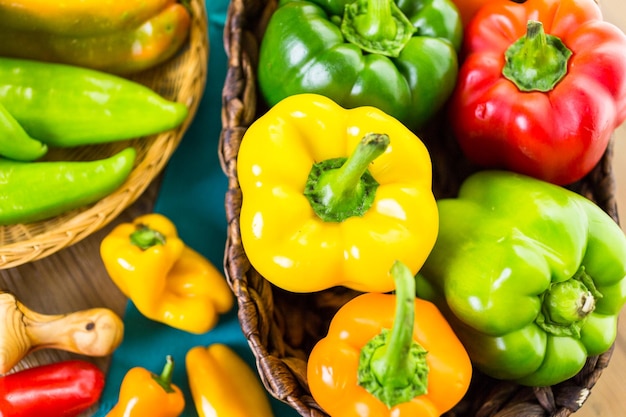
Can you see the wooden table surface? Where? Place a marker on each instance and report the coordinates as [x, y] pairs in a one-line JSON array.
[[75, 279]]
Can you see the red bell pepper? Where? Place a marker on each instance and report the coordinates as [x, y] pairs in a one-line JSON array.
[[62, 389], [541, 88]]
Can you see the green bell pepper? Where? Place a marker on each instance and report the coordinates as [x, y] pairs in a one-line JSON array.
[[401, 58], [529, 274]]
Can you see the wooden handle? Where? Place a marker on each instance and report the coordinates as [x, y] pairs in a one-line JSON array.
[[93, 332]]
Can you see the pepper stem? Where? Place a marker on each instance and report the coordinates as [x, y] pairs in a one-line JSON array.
[[165, 379], [144, 237], [392, 365], [536, 61], [377, 26], [340, 188], [567, 304]]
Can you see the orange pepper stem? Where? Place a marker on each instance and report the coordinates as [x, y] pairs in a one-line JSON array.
[[144, 237], [340, 188], [165, 379], [536, 61], [392, 365]]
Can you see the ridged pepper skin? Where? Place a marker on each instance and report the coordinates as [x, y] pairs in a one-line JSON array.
[[60, 389], [529, 274], [15, 143], [306, 230], [541, 88], [223, 385], [389, 355], [143, 393], [168, 281], [305, 49], [65, 105], [77, 17], [33, 191], [124, 52]]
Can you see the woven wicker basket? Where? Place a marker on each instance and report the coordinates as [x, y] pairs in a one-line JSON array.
[[180, 79], [282, 327]]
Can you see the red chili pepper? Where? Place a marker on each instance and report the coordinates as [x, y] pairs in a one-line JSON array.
[[62, 389]]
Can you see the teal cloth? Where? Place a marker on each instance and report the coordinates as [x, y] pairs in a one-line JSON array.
[[192, 196]]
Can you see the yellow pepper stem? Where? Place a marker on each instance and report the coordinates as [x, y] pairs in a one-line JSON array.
[[340, 188], [392, 365]]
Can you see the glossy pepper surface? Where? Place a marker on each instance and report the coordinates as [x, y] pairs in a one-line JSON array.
[[530, 276], [33, 191], [167, 280], [400, 57], [389, 355], [143, 393], [223, 385], [65, 105], [77, 17], [126, 51], [60, 389], [15, 143], [541, 88], [332, 195]]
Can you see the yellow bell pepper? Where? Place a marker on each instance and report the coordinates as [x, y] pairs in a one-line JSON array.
[[333, 196], [143, 393], [166, 280], [223, 385]]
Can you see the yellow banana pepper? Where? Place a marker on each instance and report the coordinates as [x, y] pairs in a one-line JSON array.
[[167, 280], [223, 385], [333, 196]]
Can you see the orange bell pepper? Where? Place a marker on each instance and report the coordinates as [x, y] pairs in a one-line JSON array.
[[389, 355], [166, 280], [144, 394]]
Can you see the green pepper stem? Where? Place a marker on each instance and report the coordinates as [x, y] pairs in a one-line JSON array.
[[377, 26], [377, 23], [165, 379], [567, 304], [536, 61], [144, 237], [392, 365], [342, 188]]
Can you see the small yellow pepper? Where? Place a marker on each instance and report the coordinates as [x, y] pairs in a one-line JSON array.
[[143, 394], [167, 280], [223, 385], [332, 196]]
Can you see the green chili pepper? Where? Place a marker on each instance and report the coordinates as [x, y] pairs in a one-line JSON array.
[[400, 57], [32, 191], [15, 142], [63, 105], [529, 274]]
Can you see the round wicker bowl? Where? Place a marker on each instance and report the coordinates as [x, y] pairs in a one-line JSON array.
[[180, 79], [282, 327]]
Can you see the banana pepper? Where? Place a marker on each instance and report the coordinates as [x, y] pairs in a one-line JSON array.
[[167, 280], [530, 276], [389, 355], [223, 385], [332, 195]]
